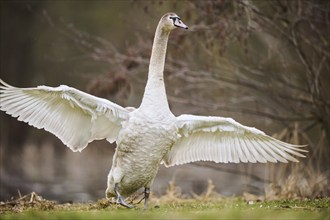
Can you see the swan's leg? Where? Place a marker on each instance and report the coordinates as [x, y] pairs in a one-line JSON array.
[[120, 199], [146, 197]]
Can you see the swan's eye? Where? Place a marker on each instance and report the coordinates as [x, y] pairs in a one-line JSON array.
[[173, 19]]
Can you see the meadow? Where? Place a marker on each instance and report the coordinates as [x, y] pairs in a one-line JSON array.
[[33, 206]]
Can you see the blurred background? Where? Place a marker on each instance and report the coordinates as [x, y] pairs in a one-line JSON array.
[[263, 63]]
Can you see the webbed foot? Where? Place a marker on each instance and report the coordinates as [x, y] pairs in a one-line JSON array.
[[122, 202], [120, 199]]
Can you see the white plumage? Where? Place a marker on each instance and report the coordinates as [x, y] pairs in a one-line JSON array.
[[224, 140], [146, 136], [75, 117]]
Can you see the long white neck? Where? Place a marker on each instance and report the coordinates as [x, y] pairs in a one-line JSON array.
[[154, 98]]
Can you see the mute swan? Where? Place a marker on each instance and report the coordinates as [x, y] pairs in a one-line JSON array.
[[146, 136]]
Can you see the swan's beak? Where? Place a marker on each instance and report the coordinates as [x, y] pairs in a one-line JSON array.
[[178, 23]]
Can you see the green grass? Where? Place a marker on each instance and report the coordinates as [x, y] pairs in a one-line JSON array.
[[228, 208]]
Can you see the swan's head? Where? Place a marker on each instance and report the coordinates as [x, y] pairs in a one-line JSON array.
[[171, 21]]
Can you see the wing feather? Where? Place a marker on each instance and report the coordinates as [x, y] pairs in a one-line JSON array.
[[216, 150], [241, 154], [255, 151], [245, 148], [225, 140], [270, 150], [235, 153], [222, 148], [281, 151], [262, 151], [75, 117]]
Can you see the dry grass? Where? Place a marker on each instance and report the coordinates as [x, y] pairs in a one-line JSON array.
[[174, 195], [22, 203], [307, 179], [172, 205], [307, 183]]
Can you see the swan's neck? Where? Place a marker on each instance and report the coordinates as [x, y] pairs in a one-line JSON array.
[[154, 97]]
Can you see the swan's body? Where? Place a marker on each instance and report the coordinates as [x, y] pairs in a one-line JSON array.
[[142, 143], [146, 136]]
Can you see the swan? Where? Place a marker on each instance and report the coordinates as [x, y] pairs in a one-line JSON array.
[[147, 136]]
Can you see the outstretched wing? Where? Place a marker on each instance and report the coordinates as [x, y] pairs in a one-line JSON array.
[[225, 140], [75, 117]]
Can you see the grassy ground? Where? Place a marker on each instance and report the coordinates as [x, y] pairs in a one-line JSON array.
[[220, 208]]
